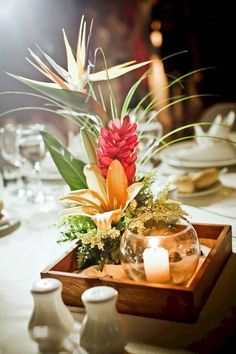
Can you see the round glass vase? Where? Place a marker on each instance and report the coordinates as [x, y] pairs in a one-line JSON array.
[[160, 248]]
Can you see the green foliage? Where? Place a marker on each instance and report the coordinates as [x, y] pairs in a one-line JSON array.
[[146, 191], [89, 145], [74, 100], [145, 205], [69, 166], [94, 246], [97, 247], [70, 225]]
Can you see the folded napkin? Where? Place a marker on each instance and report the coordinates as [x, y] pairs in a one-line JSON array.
[[211, 149]]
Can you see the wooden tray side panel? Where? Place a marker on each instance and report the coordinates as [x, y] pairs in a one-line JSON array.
[[66, 264], [212, 231], [214, 265], [169, 304]]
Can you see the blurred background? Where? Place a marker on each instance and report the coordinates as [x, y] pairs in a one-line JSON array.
[[126, 30]]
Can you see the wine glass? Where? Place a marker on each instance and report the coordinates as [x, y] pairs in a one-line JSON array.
[[11, 170], [149, 132], [32, 149]]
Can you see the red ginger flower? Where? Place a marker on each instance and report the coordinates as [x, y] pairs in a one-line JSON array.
[[118, 143]]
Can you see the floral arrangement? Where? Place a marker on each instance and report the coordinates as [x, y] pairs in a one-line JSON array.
[[108, 190]]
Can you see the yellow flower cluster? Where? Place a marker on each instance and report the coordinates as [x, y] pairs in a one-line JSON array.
[[95, 238]]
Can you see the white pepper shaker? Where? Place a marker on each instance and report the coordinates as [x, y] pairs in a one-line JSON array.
[[51, 321], [101, 331]]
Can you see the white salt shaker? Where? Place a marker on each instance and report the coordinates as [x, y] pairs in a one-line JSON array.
[[51, 321], [101, 331]]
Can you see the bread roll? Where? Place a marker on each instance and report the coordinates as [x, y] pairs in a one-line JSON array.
[[184, 184], [205, 179]]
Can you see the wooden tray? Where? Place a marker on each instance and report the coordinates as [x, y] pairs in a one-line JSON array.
[[165, 301]]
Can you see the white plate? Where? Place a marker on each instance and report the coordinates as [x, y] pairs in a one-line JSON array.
[[168, 156], [229, 179], [215, 188]]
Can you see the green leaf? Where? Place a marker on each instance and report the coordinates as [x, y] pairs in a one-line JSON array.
[[29, 94], [70, 168], [78, 101], [131, 93], [107, 78], [90, 145], [81, 119]]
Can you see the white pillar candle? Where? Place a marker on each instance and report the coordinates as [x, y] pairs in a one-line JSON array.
[[156, 264]]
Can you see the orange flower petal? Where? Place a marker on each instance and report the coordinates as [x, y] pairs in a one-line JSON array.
[[79, 210], [84, 196], [117, 185], [46, 71], [104, 220], [83, 201], [96, 182], [133, 190]]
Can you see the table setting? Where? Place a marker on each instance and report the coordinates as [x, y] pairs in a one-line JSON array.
[[212, 148], [145, 335], [135, 226]]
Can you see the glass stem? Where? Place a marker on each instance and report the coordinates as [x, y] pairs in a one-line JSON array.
[[37, 194]]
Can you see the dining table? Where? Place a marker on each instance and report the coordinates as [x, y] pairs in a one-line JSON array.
[[34, 245]]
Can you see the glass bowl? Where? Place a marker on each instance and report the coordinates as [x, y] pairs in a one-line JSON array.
[[160, 248]]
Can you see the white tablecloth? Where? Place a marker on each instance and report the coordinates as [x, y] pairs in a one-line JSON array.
[[27, 251]]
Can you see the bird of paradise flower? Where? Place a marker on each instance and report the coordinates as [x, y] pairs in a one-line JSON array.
[[68, 88], [78, 73]]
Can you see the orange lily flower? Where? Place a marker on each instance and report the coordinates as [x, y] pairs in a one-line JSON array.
[[106, 199]]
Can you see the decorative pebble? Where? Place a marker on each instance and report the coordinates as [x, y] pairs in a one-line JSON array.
[[191, 251], [175, 257]]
